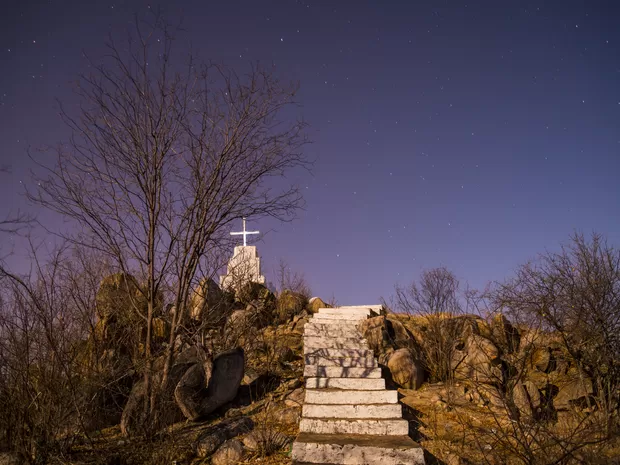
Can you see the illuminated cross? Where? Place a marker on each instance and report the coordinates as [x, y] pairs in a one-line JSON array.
[[244, 233]]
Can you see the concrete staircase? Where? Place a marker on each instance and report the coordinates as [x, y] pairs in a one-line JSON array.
[[348, 417]]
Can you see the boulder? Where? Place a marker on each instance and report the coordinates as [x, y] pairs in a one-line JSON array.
[[572, 392], [256, 292], [527, 398], [295, 398], [216, 435], [539, 359], [287, 415], [117, 293], [315, 303], [266, 440], [132, 418], [406, 371], [477, 359], [485, 394], [398, 334], [504, 333], [375, 331], [289, 304], [161, 329], [229, 453], [207, 300], [207, 386], [481, 350]]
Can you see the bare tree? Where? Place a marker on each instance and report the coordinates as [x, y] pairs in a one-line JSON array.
[[557, 401], [436, 299], [294, 281], [14, 222], [163, 159], [575, 295]]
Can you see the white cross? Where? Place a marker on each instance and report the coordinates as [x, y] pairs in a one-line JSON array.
[[244, 233]]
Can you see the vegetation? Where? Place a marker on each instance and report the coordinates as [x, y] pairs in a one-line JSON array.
[[527, 372]]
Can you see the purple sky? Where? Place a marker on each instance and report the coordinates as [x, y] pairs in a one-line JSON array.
[[471, 137]]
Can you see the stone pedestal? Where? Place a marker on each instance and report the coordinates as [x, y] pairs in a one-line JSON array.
[[243, 268]]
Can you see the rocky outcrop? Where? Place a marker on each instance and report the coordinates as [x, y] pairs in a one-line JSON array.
[[477, 358], [208, 301], [288, 305], [206, 386], [229, 453], [406, 371], [315, 303], [527, 398], [196, 387], [213, 437]]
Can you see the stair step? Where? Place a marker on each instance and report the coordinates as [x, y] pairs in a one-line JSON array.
[[334, 322], [367, 384], [375, 308], [320, 342], [338, 352], [362, 312], [368, 362], [387, 427], [352, 411], [338, 317], [350, 396], [325, 371], [331, 331], [356, 450]]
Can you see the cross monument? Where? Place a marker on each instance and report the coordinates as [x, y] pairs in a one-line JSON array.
[[244, 266], [244, 233]]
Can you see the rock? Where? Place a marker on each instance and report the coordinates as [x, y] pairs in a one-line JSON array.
[[540, 359], [398, 333], [196, 401], [477, 359], [216, 435], [315, 303], [375, 331], [295, 398], [481, 350], [288, 415], [256, 292], [191, 389], [293, 383], [286, 354], [504, 333], [572, 392], [250, 375], [233, 413], [116, 294], [526, 398], [385, 335], [132, 419], [229, 453], [406, 371], [242, 324], [298, 323], [266, 441], [208, 301], [289, 304], [161, 329]]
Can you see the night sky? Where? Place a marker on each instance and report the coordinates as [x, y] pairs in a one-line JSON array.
[[471, 135]]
